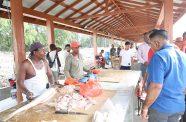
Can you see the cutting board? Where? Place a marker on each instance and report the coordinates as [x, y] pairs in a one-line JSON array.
[[46, 113]]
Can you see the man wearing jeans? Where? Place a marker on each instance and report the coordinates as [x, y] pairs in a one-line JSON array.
[[166, 81]]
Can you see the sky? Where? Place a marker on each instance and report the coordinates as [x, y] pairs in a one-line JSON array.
[[179, 27]]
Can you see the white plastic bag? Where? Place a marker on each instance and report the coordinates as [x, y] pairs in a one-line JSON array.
[[109, 113]]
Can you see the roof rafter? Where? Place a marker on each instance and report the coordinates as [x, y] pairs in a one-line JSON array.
[[53, 6], [129, 21], [95, 19], [83, 7], [37, 4], [112, 20], [160, 18], [141, 26], [89, 11], [116, 12], [68, 8]]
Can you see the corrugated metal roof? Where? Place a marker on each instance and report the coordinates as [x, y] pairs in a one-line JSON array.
[[56, 10], [89, 7], [69, 2], [29, 3], [73, 10], [82, 3], [44, 5]]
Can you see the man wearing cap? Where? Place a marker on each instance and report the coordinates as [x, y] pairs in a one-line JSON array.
[[74, 67], [33, 72]]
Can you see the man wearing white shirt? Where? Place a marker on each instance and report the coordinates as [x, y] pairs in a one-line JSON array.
[[53, 55], [142, 54], [126, 57]]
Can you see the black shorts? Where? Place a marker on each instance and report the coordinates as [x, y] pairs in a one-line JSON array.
[[125, 68]]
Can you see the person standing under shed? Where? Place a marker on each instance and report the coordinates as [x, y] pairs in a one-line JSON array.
[[54, 61], [112, 54], [126, 57], [74, 67], [34, 71], [142, 54], [166, 82], [118, 50]]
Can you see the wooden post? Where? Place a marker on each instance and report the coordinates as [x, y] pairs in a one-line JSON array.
[[112, 40], [50, 32], [160, 18], [95, 46], [168, 18], [18, 37]]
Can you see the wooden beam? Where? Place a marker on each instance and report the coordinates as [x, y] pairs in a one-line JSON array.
[[108, 21], [95, 26], [37, 4], [168, 18], [150, 11], [182, 9], [127, 28], [106, 5], [97, 19], [87, 31], [160, 18], [89, 11], [83, 7], [95, 47], [4, 14], [116, 12], [129, 21], [112, 40], [142, 17], [71, 29], [50, 32], [113, 21], [49, 17], [68, 8], [53, 6], [106, 28], [98, 5], [18, 38]]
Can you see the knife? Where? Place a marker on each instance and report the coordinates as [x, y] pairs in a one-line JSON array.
[[72, 113]]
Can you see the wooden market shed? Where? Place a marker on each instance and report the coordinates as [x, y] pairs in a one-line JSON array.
[[120, 19]]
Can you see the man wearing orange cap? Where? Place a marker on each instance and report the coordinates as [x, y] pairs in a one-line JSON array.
[[74, 67]]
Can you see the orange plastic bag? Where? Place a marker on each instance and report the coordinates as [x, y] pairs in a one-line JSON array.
[[95, 71], [71, 81], [90, 89]]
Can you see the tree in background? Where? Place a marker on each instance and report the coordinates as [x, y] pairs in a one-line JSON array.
[[6, 35], [33, 32]]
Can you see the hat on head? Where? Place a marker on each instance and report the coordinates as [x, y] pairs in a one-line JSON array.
[[75, 44], [35, 46]]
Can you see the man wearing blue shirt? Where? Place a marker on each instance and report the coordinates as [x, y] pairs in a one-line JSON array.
[[166, 81]]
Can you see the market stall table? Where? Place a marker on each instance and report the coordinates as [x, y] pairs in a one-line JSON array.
[[119, 88]]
